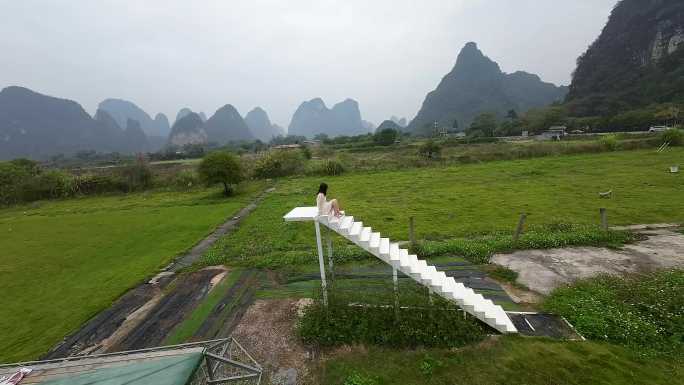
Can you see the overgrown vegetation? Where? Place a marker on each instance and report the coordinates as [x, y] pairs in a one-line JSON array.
[[349, 320], [24, 180], [642, 311], [508, 360], [278, 163], [480, 249]]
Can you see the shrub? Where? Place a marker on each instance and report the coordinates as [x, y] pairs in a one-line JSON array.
[[10, 177], [186, 179], [415, 323], [610, 142], [46, 185], [221, 167], [329, 168], [306, 152], [137, 176], [674, 136], [385, 137], [645, 311], [99, 184], [279, 163], [429, 150]]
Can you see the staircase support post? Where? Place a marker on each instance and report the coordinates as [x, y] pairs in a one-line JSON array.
[[396, 289], [321, 264], [330, 256]]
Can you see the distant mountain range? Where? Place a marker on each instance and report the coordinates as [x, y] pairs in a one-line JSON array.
[[475, 85], [637, 60], [226, 125], [314, 117], [260, 125], [122, 110], [37, 126]]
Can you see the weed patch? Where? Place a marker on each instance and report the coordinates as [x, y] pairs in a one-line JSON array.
[[642, 311], [479, 250], [415, 323]]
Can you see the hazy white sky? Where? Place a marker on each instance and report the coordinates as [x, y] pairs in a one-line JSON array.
[[386, 54]]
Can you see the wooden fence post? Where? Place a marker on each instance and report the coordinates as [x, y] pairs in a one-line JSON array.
[[519, 228], [604, 219]]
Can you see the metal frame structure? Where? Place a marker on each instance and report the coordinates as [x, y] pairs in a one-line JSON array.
[[225, 362]]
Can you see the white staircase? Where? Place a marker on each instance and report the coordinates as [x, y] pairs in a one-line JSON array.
[[473, 303]]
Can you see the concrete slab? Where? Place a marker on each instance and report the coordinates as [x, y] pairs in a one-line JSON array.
[[544, 270]]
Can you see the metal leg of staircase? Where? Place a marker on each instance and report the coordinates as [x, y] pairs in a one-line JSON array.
[[330, 256], [396, 289], [321, 264]]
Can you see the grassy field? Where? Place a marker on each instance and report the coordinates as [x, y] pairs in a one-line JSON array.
[[61, 262], [510, 361], [469, 199]]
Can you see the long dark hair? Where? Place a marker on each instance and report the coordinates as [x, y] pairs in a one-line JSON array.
[[323, 188]]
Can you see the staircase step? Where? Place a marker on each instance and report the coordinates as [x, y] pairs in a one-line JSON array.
[[419, 270], [364, 238], [345, 224], [384, 248], [374, 241], [355, 230]]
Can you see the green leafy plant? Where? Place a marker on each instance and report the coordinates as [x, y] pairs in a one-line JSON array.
[[329, 168], [358, 379], [352, 319], [279, 163], [610, 142], [385, 137], [221, 167], [674, 136], [429, 150], [644, 311], [429, 364]]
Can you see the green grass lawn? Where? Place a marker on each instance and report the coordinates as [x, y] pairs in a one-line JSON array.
[[61, 262], [509, 361], [469, 199]]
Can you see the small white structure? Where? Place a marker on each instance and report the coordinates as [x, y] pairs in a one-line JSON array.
[[400, 259], [553, 133]]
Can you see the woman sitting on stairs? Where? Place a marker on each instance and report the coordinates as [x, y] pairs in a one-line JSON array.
[[326, 207]]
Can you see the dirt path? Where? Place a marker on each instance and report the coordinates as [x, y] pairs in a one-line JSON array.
[[267, 331], [145, 315], [544, 270]]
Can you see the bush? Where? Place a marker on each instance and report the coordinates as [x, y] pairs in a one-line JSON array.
[[137, 176], [221, 167], [645, 311], [429, 150], [46, 185], [12, 175], [279, 163], [99, 184], [415, 323], [610, 142], [674, 136], [385, 137], [329, 168], [186, 179]]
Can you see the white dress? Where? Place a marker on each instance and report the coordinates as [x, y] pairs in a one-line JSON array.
[[324, 207]]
